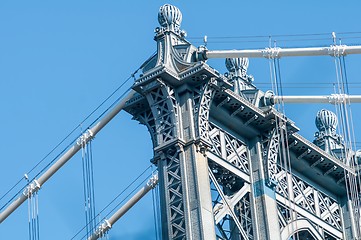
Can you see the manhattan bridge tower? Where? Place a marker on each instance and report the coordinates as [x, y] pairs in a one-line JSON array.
[[230, 165]]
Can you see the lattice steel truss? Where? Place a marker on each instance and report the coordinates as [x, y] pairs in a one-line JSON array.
[[306, 202], [229, 148], [230, 191], [172, 177]]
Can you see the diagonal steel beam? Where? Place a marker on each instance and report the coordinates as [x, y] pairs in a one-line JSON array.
[[232, 201]]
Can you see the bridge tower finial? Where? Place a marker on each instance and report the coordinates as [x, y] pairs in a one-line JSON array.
[[170, 17], [326, 137], [237, 68]]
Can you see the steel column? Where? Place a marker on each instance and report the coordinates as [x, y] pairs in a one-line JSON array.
[[263, 198]]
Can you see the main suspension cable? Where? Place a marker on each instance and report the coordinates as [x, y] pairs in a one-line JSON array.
[[117, 205], [64, 139], [67, 136], [112, 201]]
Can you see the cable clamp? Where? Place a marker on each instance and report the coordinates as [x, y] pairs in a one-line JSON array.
[[85, 138], [32, 188], [271, 53], [153, 181], [337, 98], [103, 229], [337, 50]]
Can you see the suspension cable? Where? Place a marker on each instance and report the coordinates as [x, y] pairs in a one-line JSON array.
[[351, 146], [86, 227], [347, 132], [61, 142], [33, 216], [88, 182], [156, 210], [281, 130], [61, 153], [284, 38], [122, 201], [65, 138], [67, 151]]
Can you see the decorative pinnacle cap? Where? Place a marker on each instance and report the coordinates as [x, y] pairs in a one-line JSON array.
[[169, 15], [325, 120], [234, 64]]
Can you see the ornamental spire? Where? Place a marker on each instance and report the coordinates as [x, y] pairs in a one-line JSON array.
[[237, 68], [326, 137], [169, 16], [170, 19]]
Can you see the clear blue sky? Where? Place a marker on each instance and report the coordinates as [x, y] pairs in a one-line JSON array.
[[60, 59]]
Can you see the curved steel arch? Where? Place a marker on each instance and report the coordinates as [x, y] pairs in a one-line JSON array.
[[297, 226]]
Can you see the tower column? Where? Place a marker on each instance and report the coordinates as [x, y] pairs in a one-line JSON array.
[[184, 181], [263, 198]]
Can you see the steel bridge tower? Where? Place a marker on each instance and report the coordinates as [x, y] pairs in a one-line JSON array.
[[230, 165], [222, 152]]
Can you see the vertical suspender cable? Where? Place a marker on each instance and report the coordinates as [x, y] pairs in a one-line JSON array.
[[346, 127], [92, 195], [281, 128], [352, 140], [154, 215], [67, 155], [348, 147], [88, 183], [107, 206], [85, 186], [156, 211], [29, 218], [283, 146], [37, 217], [108, 223], [33, 217]]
